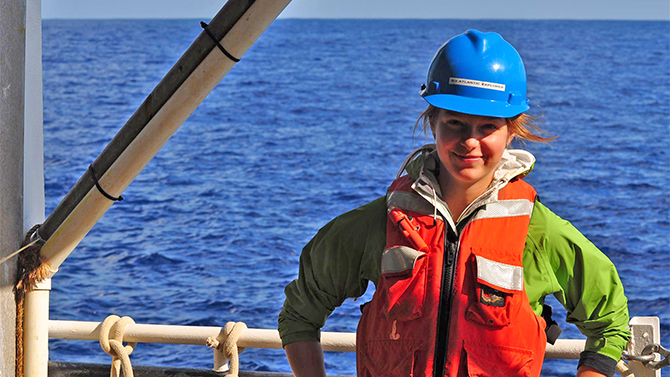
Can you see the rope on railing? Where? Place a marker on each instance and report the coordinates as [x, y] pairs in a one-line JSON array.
[[231, 334], [623, 370], [115, 326]]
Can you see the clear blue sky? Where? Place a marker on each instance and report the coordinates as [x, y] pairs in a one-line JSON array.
[[468, 9]]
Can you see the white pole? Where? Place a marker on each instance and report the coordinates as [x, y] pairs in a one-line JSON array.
[[250, 338], [158, 130], [36, 331], [196, 335], [12, 73], [36, 305], [33, 167]]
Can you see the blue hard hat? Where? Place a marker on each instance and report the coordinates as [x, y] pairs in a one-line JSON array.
[[477, 73]]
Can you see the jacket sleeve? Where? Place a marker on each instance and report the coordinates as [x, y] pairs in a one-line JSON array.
[[335, 265], [586, 282]]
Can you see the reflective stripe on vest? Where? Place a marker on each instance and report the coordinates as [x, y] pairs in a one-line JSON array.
[[408, 201], [498, 274], [505, 208], [491, 329]]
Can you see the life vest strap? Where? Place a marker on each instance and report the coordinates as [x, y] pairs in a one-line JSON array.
[[409, 230]]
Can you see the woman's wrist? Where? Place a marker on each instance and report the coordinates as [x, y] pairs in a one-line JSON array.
[[306, 359]]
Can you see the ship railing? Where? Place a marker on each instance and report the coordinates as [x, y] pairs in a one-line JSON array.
[[645, 331]]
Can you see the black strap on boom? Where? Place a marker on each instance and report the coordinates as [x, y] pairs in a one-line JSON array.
[[106, 195], [228, 54]]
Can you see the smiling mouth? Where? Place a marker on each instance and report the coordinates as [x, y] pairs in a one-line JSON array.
[[467, 158]]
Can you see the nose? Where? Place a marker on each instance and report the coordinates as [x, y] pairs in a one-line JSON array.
[[470, 143], [469, 138]]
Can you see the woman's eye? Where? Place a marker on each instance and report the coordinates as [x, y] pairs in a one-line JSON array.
[[490, 127], [454, 123]]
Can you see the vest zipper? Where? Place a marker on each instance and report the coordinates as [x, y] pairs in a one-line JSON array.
[[449, 265], [443, 311]]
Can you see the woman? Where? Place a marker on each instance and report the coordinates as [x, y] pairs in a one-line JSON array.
[[461, 250]]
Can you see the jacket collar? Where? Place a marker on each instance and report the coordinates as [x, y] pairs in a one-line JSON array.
[[514, 163], [423, 168]]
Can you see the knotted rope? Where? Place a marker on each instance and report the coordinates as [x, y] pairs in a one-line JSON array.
[[115, 326], [229, 348]]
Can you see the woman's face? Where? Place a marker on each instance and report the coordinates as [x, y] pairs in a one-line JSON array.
[[470, 146]]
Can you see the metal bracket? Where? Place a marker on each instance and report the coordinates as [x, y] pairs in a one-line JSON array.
[[645, 332]]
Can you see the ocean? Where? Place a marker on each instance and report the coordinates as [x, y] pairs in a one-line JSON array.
[[315, 121]]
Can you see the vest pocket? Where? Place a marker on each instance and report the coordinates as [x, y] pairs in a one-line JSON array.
[[497, 293], [486, 360], [388, 358], [403, 282]]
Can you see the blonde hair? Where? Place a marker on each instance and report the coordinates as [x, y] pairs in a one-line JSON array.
[[523, 125]]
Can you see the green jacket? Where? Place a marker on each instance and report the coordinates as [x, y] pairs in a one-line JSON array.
[[346, 254]]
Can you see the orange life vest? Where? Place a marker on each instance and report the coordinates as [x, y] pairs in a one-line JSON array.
[[452, 304]]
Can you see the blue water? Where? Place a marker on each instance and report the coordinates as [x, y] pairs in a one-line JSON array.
[[314, 121]]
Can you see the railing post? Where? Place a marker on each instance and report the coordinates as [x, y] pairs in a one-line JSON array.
[[645, 331], [220, 362], [36, 331]]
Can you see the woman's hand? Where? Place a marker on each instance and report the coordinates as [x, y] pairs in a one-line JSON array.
[[585, 371], [306, 359]]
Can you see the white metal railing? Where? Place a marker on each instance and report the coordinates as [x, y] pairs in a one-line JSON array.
[[645, 331], [196, 335]]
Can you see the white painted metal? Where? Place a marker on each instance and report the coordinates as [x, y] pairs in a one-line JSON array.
[[565, 349], [250, 338], [645, 331], [36, 331], [220, 362], [33, 140], [197, 335]]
